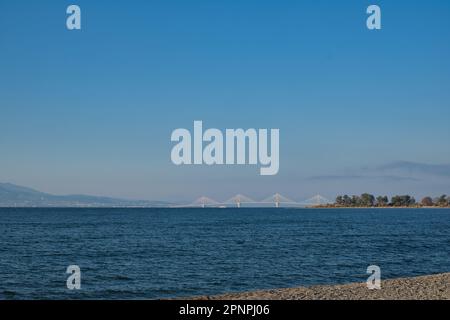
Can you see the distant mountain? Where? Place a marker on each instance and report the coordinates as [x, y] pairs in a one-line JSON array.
[[17, 196]]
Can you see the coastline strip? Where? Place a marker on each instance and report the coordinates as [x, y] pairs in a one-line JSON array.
[[430, 287]]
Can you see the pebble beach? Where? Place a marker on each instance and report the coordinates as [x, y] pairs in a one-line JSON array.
[[431, 287]]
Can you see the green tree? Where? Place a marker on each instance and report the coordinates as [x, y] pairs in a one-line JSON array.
[[442, 201], [340, 200], [367, 200], [382, 201], [402, 201], [347, 201], [356, 201]]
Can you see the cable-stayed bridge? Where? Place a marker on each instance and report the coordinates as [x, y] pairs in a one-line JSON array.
[[277, 200]]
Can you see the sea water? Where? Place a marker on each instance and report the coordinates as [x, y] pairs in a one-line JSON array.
[[165, 253]]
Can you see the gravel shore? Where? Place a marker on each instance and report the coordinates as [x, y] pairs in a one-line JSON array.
[[432, 287]]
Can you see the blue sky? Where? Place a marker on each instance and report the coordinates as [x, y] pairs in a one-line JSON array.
[[92, 111]]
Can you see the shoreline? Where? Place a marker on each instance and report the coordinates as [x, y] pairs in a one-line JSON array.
[[429, 287], [331, 207], [221, 208]]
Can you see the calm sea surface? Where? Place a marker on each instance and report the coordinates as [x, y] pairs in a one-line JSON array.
[[161, 253]]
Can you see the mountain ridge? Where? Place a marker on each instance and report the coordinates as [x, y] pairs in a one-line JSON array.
[[12, 195]]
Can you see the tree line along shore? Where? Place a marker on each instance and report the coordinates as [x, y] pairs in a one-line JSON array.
[[367, 200]]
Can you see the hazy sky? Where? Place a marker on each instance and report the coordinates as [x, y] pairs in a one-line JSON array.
[[92, 111]]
